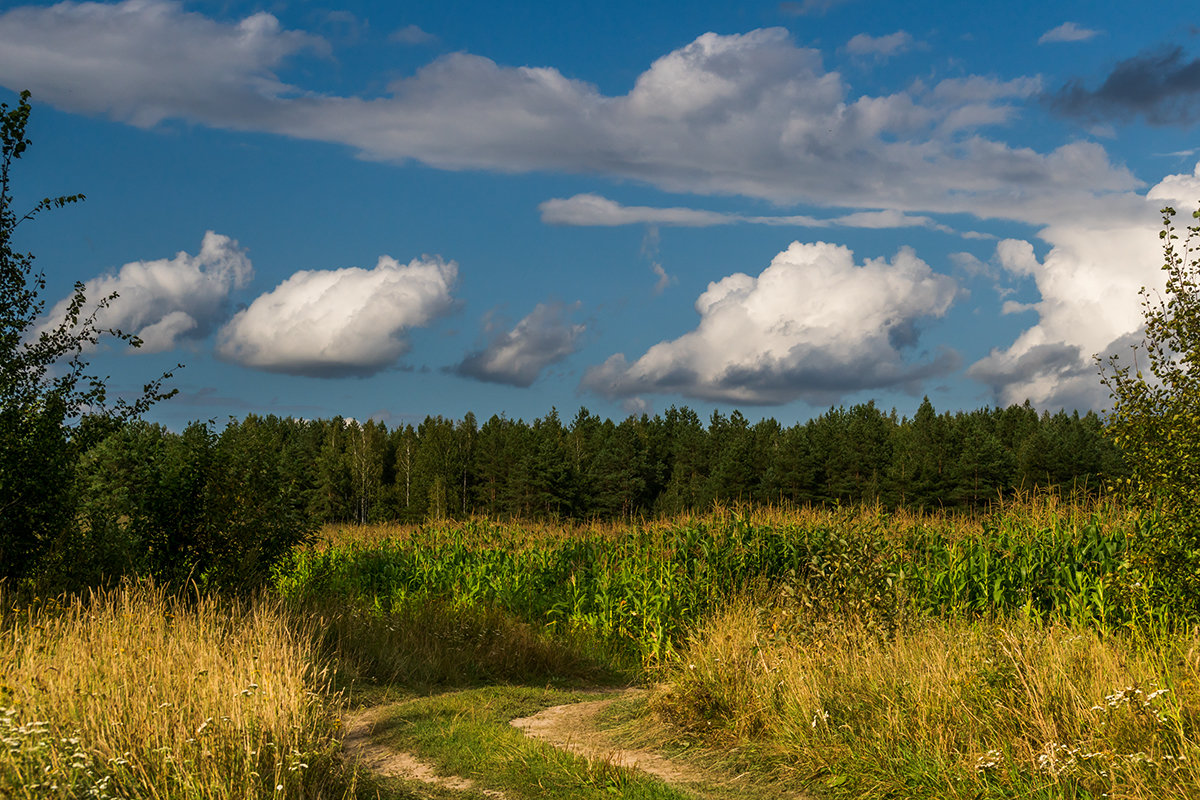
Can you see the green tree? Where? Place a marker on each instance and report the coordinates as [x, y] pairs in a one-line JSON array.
[[689, 459], [1155, 415], [45, 385], [985, 466]]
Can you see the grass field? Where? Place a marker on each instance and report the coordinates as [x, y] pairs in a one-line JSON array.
[[846, 653]]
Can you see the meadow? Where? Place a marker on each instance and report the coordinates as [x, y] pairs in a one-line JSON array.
[[843, 652]]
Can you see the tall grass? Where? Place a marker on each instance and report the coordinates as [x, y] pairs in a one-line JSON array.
[[952, 708], [434, 644], [134, 693]]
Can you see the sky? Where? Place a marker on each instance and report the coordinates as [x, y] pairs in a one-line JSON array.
[[391, 210]]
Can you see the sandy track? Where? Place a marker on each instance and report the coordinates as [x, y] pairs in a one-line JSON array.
[[571, 727], [392, 763]]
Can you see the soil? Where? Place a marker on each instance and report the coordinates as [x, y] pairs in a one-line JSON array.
[[572, 728], [392, 763]]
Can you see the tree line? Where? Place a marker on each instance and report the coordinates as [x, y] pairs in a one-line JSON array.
[[340, 470]]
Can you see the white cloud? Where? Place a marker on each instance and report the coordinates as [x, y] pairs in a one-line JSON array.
[[650, 249], [1067, 32], [749, 114], [340, 322], [143, 61], [664, 279], [880, 47], [970, 264], [167, 300], [1089, 305], [412, 34], [813, 324], [593, 209], [518, 356]]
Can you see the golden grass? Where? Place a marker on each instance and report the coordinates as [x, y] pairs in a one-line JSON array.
[[136, 693], [946, 708], [1030, 509]]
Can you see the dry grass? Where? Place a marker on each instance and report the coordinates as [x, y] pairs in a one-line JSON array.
[[1032, 509], [135, 693], [432, 644], [947, 708]]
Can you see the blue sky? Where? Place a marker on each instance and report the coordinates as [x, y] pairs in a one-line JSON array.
[[392, 210]]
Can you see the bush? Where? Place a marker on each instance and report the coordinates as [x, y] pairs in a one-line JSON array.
[[218, 510], [1155, 417]]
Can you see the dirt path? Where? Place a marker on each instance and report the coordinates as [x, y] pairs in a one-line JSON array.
[[572, 727], [392, 763]]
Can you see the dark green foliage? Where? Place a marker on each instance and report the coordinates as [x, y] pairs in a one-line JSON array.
[[44, 383], [216, 510], [673, 463]]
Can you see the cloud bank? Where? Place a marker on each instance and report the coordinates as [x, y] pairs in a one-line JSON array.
[[518, 356], [339, 323], [168, 301], [749, 114], [812, 325]]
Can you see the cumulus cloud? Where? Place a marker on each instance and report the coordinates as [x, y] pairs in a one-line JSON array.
[[750, 114], [517, 356], [880, 47], [595, 210], [340, 322], [813, 324], [166, 301], [1162, 86], [1088, 283], [1068, 32]]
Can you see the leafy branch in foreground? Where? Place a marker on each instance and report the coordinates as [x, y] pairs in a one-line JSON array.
[[45, 384], [1155, 418]]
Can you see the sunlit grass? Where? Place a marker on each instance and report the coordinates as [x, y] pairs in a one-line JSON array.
[[133, 693], [946, 708]]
